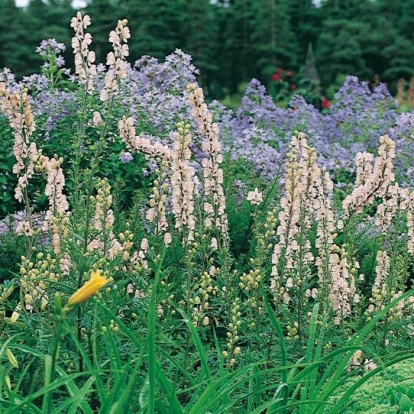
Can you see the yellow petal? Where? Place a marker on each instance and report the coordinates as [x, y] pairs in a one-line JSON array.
[[88, 289]]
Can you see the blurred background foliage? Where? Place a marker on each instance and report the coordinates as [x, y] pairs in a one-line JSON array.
[[231, 41]]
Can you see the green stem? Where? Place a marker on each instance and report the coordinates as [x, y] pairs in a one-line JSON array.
[[152, 362], [189, 311], [50, 366]]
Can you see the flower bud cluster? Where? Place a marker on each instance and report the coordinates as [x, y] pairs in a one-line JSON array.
[[292, 332], [84, 58], [387, 287], [215, 201], [141, 144], [250, 281], [183, 183], [233, 332], [65, 264], [204, 290], [59, 228], [265, 238], [56, 217], [264, 234], [410, 225], [34, 279], [16, 106], [58, 204], [295, 219], [394, 204], [104, 241], [126, 240], [116, 59], [336, 276], [373, 180], [113, 326], [68, 362], [138, 259], [157, 213], [379, 293], [327, 259], [342, 288]]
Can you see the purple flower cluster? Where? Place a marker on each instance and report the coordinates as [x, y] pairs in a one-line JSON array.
[[10, 223], [361, 115], [54, 105], [153, 92], [260, 132], [8, 78], [35, 82], [49, 47], [125, 157]]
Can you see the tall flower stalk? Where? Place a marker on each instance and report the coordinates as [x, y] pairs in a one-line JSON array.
[[215, 217], [16, 106], [292, 257]]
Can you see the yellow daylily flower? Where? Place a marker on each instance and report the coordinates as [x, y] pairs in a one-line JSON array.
[[88, 289]]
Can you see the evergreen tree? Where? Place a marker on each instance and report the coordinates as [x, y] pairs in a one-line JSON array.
[[399, 56], [56, 21], [398, 48], [405, 20], [236, 54], [18, 40], [104, 15], [339, 50], [347, 43], [274, 42], [230, 41], [156, 27], [52, 20], [200, 28], [305, 21]]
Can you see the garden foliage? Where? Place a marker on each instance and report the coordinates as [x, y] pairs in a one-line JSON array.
[[162, 254]]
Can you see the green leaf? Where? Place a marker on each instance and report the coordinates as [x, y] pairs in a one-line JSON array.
[[143, 395], [406, 403]]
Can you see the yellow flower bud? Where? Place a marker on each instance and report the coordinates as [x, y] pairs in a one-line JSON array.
[[12, 358], [88, 289]]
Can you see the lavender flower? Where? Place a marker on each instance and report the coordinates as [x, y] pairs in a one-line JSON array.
[[50, 47], [125, 157]]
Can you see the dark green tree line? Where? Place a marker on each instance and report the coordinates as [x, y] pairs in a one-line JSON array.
[[231, 41]]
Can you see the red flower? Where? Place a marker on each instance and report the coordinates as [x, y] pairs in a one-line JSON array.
[[326, 103], [293, 87], [279, 71], [290, 74], [275, 77]]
